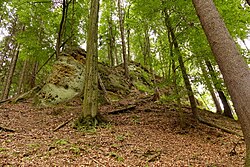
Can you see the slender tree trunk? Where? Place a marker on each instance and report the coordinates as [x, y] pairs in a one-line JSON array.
[[111, 41], [121, 22], [234, 69], [128, 34], [90, 104], [20, 88], [33, 74], [182, 66], [180, 111], [10, 75], [61, 28], [147, 48], [210, 88], [227, 108]]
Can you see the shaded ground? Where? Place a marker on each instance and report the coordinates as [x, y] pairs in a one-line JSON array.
[[147, 135]]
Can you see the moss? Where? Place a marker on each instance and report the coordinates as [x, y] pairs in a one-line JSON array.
[[143, 88], [89, 123]]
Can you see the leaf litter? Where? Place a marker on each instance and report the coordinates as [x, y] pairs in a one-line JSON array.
[[145, 135]]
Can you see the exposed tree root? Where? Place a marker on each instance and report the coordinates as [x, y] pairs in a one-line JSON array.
[[89, 122]]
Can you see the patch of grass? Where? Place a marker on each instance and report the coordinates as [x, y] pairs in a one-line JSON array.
[[120, 137], [136, 119], [115, 145], [116, 156], [33, 145], [3, 149], [61, 142], [75, 149]]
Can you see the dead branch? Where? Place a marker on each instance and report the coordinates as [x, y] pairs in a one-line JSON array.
[[6, 129], [219, 127], [7, 100], [122, 110], [62, 125]]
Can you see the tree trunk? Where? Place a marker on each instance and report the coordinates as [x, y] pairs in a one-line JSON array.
[[61, 28], [248, 2], [227, 109], [33, 74], [180, 111], [10, 75], [210, 88], [128, 34], [147, 47], [90, 104], [20, 88], [234, 69], [182, 66], [121, 22], [226, 105], [111, 41]]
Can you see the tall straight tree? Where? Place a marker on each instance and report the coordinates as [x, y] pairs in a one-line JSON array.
[[10, 75], [90, 104], [234, 69], [121, 22]]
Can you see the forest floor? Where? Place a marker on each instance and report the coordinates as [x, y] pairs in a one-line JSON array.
[[147, 134]]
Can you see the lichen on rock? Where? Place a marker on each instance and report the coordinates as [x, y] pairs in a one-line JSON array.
[[65, 82]]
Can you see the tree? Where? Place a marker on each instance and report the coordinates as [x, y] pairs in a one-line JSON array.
[[227, 108], [90, 103], [121, 22], [182, 65], [210, 88], [234, 69], [62, 27], [10, 75]]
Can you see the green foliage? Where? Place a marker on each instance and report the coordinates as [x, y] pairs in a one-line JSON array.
[[61, 142], [116, 156], [34, 25]]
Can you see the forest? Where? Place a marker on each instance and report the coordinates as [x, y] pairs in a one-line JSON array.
[[149, 83]]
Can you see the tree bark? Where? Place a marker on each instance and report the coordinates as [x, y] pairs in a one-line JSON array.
[[10, 75], [121, 22], [180, 111], [20, 88], [33, 74], [90, 104], [227, 108], [111, 41], [61, 28], [248, 2], [234, 69]]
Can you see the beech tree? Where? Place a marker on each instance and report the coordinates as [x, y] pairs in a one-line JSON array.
[[233, 67]]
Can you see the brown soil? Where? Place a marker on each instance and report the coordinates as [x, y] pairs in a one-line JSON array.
[[147, 135]]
